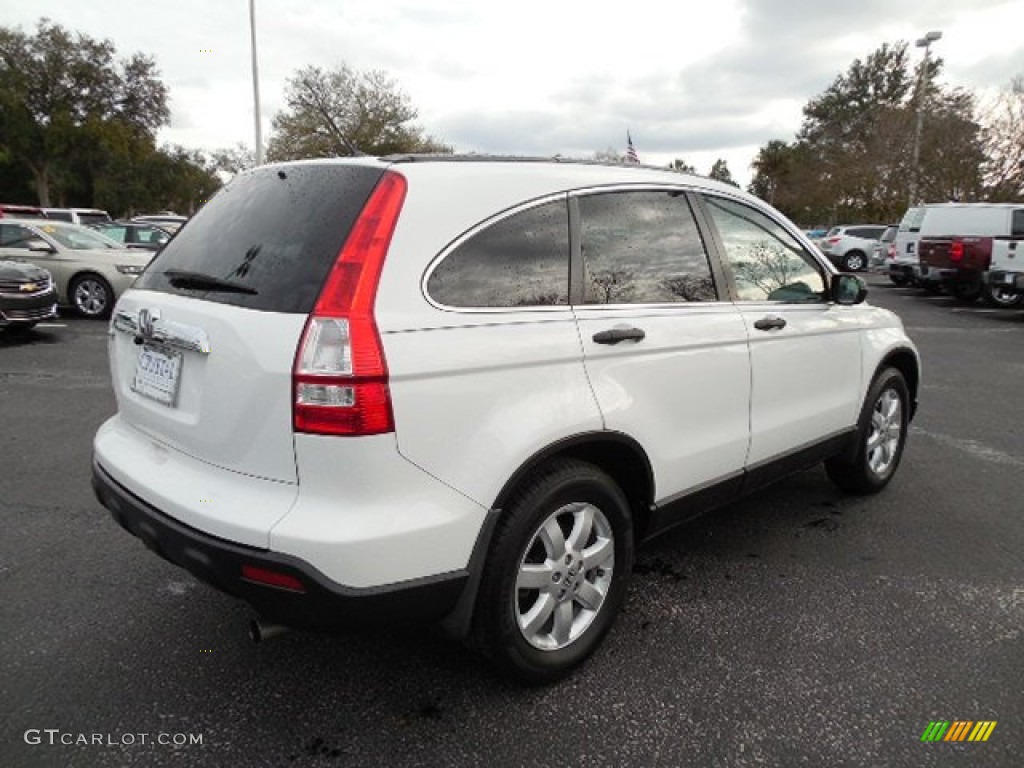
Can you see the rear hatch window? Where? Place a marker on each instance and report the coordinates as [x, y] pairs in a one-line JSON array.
[[268, 239]]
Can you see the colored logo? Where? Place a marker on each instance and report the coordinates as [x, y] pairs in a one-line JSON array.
[[958, 730]]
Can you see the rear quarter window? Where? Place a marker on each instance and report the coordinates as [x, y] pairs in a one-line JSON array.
[[275, 231], [521, 260]]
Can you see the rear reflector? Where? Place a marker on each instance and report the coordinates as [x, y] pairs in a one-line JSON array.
[[272, 578], [340, 378]]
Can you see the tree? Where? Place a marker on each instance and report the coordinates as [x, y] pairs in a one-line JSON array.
[[1003, 136], [682, 166], [229, 161], [609, 155], [772, 167], [59, 91], [339, 112], [720, 172]]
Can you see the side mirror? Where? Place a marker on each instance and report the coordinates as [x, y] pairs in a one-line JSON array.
[[848, 289], [40, 246]]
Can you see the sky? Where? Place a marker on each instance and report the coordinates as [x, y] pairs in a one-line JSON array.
[[690, 80]]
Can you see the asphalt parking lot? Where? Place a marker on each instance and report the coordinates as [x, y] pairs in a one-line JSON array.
[[799, 627]]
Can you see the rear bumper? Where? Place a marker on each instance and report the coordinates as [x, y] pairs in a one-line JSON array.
[[321, 605], [1013, 281]]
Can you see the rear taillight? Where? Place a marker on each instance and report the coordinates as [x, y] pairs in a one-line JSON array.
[[340, 377], [892, 251], [833, 240], [956, 250]]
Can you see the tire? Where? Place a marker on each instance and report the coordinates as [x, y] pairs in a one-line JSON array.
[[997, 296], [855, 261], [897, 279], [91, 296], [881, 436], [557, 572], [967, 291]]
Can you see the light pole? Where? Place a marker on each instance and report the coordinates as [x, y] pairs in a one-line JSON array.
[[926, 43], [255, 85]]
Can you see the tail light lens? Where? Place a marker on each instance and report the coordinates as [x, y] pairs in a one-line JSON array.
[[833, 240], [340, 377], [892, 251], [956, 250]]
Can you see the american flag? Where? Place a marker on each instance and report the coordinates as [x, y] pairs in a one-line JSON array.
[[631, 150]]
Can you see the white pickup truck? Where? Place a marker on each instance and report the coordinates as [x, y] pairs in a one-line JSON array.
[[1006, 272]]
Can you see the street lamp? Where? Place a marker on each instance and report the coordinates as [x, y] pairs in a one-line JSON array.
[[255, 85], [926, 43]]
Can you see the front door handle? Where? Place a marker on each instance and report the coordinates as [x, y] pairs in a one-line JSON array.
[[615, 335], [770, 323]]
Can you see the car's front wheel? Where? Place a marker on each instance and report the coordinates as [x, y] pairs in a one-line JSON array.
[[881, 435], [854, 261], [556, 573], [91, 296]]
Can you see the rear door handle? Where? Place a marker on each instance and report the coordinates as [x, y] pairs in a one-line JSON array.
[[770, 323], [615, 335]]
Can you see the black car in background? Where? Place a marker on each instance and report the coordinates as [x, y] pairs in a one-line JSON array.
[[27, 295]]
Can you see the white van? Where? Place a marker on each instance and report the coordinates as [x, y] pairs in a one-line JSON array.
[[78, 215], [939, 220]]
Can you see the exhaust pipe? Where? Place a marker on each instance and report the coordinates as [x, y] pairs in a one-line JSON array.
[[261, 630]]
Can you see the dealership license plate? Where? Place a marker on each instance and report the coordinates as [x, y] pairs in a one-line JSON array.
[[157, 374]]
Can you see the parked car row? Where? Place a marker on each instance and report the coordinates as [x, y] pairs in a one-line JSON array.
[[89, 270], [971, 250]]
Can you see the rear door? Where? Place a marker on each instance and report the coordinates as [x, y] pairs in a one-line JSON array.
[[805, 352], [666, 355], [202, 348]]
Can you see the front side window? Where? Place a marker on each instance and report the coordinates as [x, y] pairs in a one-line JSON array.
[[642, 247], [519, 261], [767, 263], [15, 236]]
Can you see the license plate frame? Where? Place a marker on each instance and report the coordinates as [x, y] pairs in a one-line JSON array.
[[157, 375]]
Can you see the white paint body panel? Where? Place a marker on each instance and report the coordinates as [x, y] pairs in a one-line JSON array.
[[682, 392], [226, 504], [246, 374], [476, 399], [367, 517], [806, 376]]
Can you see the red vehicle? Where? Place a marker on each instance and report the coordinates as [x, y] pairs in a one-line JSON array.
[[21, 211]]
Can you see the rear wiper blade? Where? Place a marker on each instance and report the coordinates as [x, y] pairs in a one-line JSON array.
[[198, 281]]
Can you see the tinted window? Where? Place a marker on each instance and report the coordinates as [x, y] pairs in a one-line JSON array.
[[59, 215], [889, 235], [15, 236], [767, 263], [519, 261], [1017, 226], [868, 233], [91, 218], [276, 231], [642, 248]]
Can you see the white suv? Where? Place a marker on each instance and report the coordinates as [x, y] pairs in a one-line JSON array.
[[465, 389], [850, 247]]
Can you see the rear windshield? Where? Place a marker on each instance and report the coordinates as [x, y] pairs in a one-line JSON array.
[[92, 218], [272, 233]]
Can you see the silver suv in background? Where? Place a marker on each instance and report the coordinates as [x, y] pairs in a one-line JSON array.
[[849, 247], [884, 247]]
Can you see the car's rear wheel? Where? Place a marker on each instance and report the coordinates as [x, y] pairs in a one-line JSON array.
[[91, 296], [557, 572], [881, 435], [997, 296], [854, 261]]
